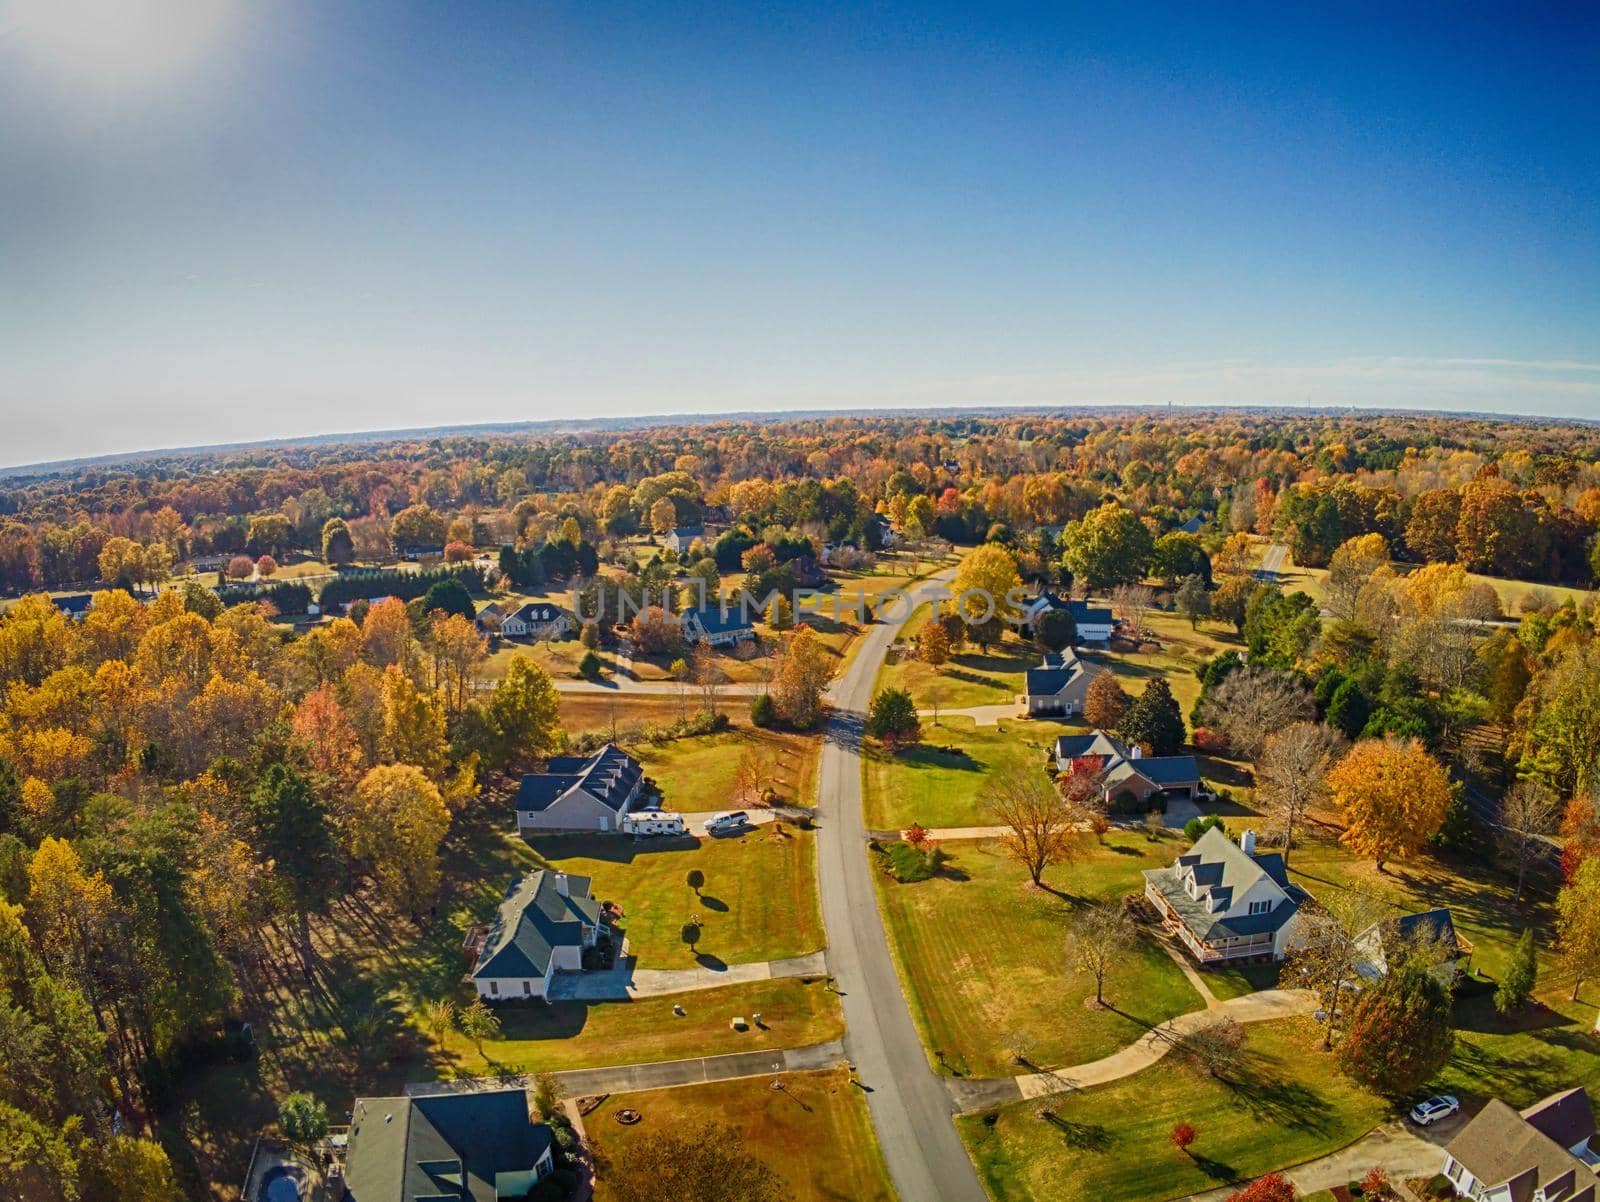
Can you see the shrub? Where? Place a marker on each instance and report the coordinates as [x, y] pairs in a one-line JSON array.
[[589, 666], [909, 864], [763, 712], [1195, 827]]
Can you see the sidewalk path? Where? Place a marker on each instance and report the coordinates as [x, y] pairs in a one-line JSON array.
[[976, 1093], [653, 688], [625, 981], [945, 834], [1401, 1149], [624, 1078]]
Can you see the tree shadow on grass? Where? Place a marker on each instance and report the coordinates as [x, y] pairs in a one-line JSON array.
[[1217, 1170], [713, 903], [1261, 1092], [1085, 1137], [713, 963]]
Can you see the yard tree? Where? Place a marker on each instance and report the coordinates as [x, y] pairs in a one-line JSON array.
[[266, 566], [707, 675], [1231, 601], [1104, 702], [1529, 814], [524, 718], [417, 526], [547, 1094], [1517, 981], [449, 596], [1099, 938], [1351, 566], [1178, 554], [799, 678], [892, 719], [1214, 1049], [1392, 795], [708, 1163], [1578, 924], [338, 549], [129, 1169], [414, 729], [1154, 721], [1249, 704], [933, 645], [1040, 826], [1274, 1187], [663, 516], [439, 1019], [478, 1023], [294, 836], [1108, 546], [1399, 1035], [396, 824], [654, 631], [780, 614], [983, 584], [303, 1121], [1193, 600], [750, 778], [1054, 630], [269, 534], [1182, 1135], [1292, 774], [1325, 954]]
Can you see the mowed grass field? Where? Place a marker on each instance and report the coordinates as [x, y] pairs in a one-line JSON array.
[[1287, 1103], [564, 1035], [940, 782], [814, 1133], [758, 902], [697, 773], [982, 956]]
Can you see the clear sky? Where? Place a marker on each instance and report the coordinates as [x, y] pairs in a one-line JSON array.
[[223, 220]]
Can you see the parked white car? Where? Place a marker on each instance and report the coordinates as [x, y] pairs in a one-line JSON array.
[[731, 821], [1425, 1113]]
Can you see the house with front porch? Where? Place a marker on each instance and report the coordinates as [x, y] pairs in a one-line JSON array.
[[1225, 901], [543, 926], [537, 620], [1545, 1153]]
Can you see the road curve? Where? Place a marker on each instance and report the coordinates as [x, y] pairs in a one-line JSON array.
[[911, 1109]]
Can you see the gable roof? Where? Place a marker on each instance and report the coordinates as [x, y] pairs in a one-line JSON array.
[[535, 918], [714, 620], [440, 1145], [686, 534], [536, 613], [1082, 612], [76, 605], [1055, 673], [1121, 763], [1529, 1151], [608, 775], [1192, 526], [1225, 871]]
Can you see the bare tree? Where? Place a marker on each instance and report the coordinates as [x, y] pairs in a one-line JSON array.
[[1097, 941], [1528, 813], [1325, 956], [1133, 603], [1041, 826], [709, 1163], [1292, 774], [707, 674], [1214, 1049], [1251, 702]]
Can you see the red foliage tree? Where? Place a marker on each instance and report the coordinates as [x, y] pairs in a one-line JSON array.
[[917, 835], [457, 552], [266, 565], [240, 567], [1274, 1187], [1182, 1136]]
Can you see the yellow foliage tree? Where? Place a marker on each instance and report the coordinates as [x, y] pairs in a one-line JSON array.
[[990, 574], [1393, 796], [396, 823]]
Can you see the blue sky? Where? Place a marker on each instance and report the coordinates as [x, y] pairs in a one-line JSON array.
[[219, 222]]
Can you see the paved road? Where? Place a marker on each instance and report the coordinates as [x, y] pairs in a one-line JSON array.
[[613, 685], [910, 1108], [1272, 563]]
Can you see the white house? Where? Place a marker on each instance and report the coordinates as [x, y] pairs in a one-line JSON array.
[[537, 620], [1383, 940], [1094, 624], [1545, 1153], [544, 923], [717, 626], [475, 1144], [580, 793], [1225, 901], [1056, 688], [679, 540]]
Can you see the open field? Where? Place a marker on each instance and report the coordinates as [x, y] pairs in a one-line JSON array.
[[814, 1133], [981, 954], [758, 902], [938, 783], [622, 716], [1287, 1104], [537, 1037], [697, 773]]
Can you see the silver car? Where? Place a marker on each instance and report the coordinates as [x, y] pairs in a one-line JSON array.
[[1442, 1107]]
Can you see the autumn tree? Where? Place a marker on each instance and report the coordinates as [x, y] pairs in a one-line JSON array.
[[750, 778], [1104, 702], [1274, 1187], [1352, 565], [1529, 814], [654, 631], [1040, 826], [1392, 796], [933, 645], [1292, 774], [396, 822], [708, 1163], [799, 678], [1182, 1136], [1214, 1049], [1108, 546], [1100, 937], [1399, 1032], [302, 1121], [1248, 704], [1326, 954], [478, 1023], [1154, 721], [1578, 924], [338, 548]]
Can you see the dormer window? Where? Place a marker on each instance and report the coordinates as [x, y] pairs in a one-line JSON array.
[[1260, 907]]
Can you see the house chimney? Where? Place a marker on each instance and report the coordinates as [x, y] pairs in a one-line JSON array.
[[1136, 752], [1247, 843], [561, 884]]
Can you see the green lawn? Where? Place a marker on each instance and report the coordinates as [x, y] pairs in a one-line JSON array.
[[697, 773], [970, 678], [982, 956], [815, 1132], [938, 783], [539, 1037], [1287, 1104], [759, 900]]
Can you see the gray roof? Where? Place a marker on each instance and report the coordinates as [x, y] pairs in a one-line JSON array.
[[1225, 871], [1192, 526], [715, 620], [75, 605], [538, 612], [1082, 612], [534, 918], [1529, 1151], [1120, 762], [687, 534], [609, 775], [444, 1146], [1059, 669]]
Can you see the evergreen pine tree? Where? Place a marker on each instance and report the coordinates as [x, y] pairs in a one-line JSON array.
[[1516, 983]]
